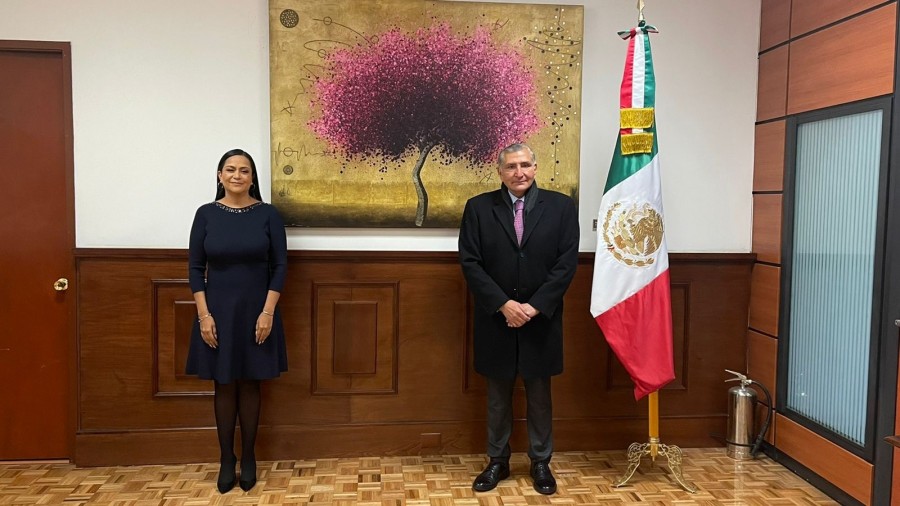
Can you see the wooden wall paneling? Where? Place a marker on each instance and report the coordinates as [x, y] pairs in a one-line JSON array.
[[174, 313], [711, 326], [585, 357], [355, 342], [681, 311], [807, 15], [771, 101], [128, 362], [472, 381], [289, 400], [428, 311], [175, 446], [764, 297], [290, 442], [767, 227], [844, 63], [694, 431], [762, 356], [774, 23], [841, 468], [117, 357], [355, 337], [768, 157], [431, 328]]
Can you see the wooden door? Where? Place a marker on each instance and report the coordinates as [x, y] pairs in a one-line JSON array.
[[895, 475], [895, 472], [37, 236]]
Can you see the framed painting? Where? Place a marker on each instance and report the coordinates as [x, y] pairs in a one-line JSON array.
[[391, 113]]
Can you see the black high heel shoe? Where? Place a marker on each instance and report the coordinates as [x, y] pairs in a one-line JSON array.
[[227, 476], [248, 468]]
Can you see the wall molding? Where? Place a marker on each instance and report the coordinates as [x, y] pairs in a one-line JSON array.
[[135, 406]]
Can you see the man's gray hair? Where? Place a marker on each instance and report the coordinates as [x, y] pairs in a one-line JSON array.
[[514, 148]]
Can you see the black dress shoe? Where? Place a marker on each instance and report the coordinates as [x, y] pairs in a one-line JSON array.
[[248, 474], [227, 476], [495, 471], [543, 479]]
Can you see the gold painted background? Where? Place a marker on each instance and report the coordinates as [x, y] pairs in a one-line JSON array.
[[312, 187]]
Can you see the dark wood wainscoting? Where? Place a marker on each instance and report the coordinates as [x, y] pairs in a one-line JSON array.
[[380, 363]]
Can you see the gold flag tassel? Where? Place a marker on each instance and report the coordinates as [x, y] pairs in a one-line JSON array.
[[637, 143], [636, 117]]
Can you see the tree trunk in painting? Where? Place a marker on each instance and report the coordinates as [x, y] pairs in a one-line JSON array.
[[422, 206]]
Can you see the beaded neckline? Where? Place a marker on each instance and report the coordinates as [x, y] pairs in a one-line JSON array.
[[237, 209]]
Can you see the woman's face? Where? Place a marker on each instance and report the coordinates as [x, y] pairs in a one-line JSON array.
[[236, 175]]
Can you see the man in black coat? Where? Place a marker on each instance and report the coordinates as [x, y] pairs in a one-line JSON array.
[[518, 247]]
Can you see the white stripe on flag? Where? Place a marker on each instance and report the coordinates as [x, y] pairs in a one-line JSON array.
[[614, 281], [638, 72]]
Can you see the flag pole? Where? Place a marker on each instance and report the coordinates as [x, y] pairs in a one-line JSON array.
[[653, 417], [633, 171]]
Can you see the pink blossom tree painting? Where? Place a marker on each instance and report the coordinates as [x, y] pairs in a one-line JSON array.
[[407, 94]]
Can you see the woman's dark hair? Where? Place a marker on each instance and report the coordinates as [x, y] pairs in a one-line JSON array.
[[254, 189]]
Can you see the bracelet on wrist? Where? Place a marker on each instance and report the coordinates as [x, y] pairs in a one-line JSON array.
[[201, 318], [268, 313]]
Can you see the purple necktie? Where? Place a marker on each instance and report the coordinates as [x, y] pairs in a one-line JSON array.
[[519, 222]]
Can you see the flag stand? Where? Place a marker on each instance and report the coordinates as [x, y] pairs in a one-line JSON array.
[[653, 448]]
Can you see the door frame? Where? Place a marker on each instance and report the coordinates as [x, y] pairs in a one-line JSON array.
[[882, 403], [876, 329], [889, 351], [64, 50]]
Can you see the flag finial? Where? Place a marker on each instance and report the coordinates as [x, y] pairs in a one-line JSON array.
[[640, 8]]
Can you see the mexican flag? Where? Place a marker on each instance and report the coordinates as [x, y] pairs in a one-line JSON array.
[[631, 297]]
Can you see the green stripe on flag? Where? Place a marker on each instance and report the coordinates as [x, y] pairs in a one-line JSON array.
[[623, 166], [649, 77]]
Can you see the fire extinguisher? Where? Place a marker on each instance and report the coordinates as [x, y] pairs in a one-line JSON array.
[[740, 441]]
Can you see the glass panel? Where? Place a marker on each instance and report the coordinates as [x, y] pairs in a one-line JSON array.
[[835, 213]]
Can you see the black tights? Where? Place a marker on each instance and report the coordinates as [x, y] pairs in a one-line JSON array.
[[239, 399]]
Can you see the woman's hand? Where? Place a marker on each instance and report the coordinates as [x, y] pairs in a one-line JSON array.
[[263, 327], [208, 332]]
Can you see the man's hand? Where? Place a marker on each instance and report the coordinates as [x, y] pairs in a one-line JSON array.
[[530, 310], [516, 314]]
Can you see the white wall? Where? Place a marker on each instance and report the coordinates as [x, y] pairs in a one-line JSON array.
[[161, 89]]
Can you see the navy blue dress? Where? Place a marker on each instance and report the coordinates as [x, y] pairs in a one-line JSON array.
[[236, 256]]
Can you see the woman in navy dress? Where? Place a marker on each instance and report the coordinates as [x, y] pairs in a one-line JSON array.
[[237, 262]]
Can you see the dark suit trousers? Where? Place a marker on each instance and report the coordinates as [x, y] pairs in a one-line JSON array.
[[539, 417]]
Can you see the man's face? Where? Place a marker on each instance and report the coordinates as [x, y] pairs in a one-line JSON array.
[[517, 172]]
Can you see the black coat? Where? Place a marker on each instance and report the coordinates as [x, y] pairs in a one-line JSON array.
[[538, 273]]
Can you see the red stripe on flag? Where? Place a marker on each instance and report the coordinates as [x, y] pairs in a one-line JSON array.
[[626, 91], [639, 331]]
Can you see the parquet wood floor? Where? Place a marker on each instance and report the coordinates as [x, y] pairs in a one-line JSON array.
[[583, 478]]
